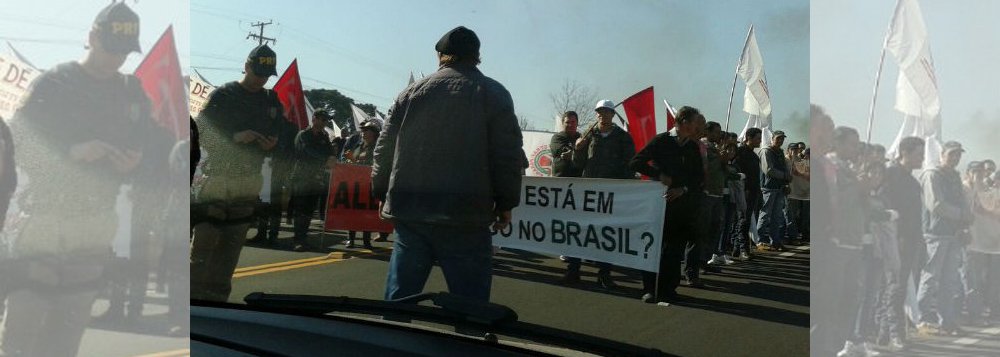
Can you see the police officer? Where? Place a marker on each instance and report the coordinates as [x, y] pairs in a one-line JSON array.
[[80, 136], [239, 127]]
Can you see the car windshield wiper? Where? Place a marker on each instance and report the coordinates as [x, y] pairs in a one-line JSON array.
[[488, 318]]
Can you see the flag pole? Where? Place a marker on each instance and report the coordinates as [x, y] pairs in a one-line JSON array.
[[878, 75], [736, 76]]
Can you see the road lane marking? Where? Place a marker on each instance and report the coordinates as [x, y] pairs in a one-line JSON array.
[[290, 262], [333, 257], [991, 331], [174, 353], [966, 341], [786, 254]]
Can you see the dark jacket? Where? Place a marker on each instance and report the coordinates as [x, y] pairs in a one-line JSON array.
[[748, 163], [902, 193], [683, 164], [231, 109], [450, 152], [561, 143], [607, 157], [311, 153]]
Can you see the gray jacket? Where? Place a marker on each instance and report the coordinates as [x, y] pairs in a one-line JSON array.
[[773, 169], [946, 210], [450, 152]]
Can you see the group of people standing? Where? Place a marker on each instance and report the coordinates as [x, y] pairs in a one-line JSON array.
[[716, 187], [894, 228]]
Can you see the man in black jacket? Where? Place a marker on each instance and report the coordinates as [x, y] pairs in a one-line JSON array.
[[454, 168], [748, 163], [677, 163]]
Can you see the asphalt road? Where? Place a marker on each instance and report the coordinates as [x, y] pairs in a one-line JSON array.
[[758, 308]]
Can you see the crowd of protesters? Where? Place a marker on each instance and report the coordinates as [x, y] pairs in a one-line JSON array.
[[893, 227], [719, 190]]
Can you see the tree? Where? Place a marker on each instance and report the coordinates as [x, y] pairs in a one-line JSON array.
[[576, 97], [331, 99], [524, 123]]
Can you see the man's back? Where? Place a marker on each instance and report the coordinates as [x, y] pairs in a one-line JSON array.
[[451, 150]]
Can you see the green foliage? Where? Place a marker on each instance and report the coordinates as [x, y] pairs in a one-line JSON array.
[[331, 99]]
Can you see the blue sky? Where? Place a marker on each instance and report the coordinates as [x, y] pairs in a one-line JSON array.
[[847, 35], [54, 31], [687, 50]]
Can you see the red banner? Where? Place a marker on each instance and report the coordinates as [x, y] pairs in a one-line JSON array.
[[289, 89], [641, 112], [160, 74], [350, 205]]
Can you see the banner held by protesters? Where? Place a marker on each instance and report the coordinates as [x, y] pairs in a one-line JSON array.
[[612, 221]]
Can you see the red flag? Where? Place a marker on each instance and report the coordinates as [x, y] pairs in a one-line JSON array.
[[671, 116], [289, 90], [641, 112], [160, 74]]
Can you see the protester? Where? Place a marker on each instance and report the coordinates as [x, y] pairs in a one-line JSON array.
[[774, 183], [901, 192], [80, 134], [748, 164], [677, 164], [239, 128], [439, 206], [947, 218], [713, 209], [563, 147], [603, 152], [797, 212], [364, 155], [984, 250], [312, 156], [731, 242]]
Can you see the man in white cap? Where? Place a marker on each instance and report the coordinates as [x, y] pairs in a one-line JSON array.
[[604, 151]]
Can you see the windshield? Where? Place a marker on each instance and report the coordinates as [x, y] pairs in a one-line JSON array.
[[495, 150], [93, 191]]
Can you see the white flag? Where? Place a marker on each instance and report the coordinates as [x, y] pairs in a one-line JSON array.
[[916, 87], [359, 116], [756, 98], [536, 149]]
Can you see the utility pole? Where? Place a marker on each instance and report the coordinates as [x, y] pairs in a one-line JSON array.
[[260, 37]]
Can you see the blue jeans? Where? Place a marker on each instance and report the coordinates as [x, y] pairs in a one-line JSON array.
[[772, 218], [940, 282], [797, 216], [464, 254]]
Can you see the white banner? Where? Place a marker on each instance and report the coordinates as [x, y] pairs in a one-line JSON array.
[[15, 77], [198, 96], [536, 149], [614, 221]]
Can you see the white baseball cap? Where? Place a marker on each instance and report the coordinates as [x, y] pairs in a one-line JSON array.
[[605, 104]]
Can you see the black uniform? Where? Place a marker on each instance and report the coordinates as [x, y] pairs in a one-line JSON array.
[[231, 188], [71, 202], [312, 150]]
